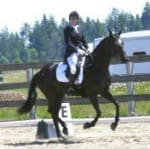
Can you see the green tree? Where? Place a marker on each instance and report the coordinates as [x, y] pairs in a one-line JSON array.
[[3, 59], [130, 22], [24, 33], [61, 33], [36, 40], [12, 46], [46, 39], [32, 55], [121, 20], [138, 24], [112, 22], [146, 16], [99, 29]]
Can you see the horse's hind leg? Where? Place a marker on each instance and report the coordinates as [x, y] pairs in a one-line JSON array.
[[54, 110], [94, 101], [108, 96], [63, 124]]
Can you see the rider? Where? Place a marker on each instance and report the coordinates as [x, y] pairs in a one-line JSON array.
[[75, 44]]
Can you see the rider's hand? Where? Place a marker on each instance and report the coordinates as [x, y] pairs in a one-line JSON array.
[[80, 52], [87, 52]]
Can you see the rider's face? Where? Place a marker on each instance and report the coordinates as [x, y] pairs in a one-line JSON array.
[[73, 21]]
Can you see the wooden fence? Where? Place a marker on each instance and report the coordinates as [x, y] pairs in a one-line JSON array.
[[129, 79]]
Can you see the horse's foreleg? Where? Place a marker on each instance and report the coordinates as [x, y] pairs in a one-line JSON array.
[[116, 103], [55, 120], [54, 109], [95, 104], [63, 124], [57, 106]]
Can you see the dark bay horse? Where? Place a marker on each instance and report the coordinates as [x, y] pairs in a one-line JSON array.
[[96, 81]]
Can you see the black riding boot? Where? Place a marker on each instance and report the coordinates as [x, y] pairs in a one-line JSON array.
[[71, 82]]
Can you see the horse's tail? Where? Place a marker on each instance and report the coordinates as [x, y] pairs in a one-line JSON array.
[[30, 102]]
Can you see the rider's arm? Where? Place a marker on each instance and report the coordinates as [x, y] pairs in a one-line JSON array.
[[84, 42], [67, 36]]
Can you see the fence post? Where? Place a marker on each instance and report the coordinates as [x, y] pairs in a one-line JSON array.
[[29, 78], [130, 86], [1, 76]]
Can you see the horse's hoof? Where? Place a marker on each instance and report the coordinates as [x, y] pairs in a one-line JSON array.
[[65, 131], [113, 126], [59, 136], [86, 125]]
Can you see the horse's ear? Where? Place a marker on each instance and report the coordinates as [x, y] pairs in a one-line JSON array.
[[110, 33], [119, 33]]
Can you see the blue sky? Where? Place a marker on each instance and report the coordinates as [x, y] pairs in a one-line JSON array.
[[14, 13]]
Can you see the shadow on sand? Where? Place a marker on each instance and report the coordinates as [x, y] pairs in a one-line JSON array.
[[57, 141]]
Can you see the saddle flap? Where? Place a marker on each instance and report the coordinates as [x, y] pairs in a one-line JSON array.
[[61, 74]]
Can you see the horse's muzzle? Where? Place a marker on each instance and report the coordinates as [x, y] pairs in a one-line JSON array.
[[124, 58]]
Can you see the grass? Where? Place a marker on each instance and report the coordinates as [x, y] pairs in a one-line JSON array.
[[78, 111]]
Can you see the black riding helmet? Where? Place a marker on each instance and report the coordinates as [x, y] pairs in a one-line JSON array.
[[74, 14]]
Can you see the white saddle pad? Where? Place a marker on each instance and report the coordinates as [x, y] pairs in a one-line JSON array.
[[61, 76]]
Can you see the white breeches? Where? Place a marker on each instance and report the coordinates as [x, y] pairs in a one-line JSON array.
[[73, 60]]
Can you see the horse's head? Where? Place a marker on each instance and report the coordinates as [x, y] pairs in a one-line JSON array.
[[115, 44]]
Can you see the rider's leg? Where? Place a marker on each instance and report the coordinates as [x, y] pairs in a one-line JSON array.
[[72, 61], [72, 78]]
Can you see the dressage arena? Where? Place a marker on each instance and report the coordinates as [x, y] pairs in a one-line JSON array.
[[130, 134]]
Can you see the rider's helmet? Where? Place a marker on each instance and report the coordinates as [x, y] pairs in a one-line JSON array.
[[74, 14]]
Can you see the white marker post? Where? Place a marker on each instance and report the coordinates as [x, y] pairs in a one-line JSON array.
[[46, 130], [65, 114]]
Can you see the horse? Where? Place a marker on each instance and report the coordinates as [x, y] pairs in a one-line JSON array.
[[96, 81]]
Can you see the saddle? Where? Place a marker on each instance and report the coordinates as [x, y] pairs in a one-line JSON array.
[[63, 71]]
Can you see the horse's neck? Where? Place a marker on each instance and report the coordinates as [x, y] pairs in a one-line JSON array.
[[101, 59]]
